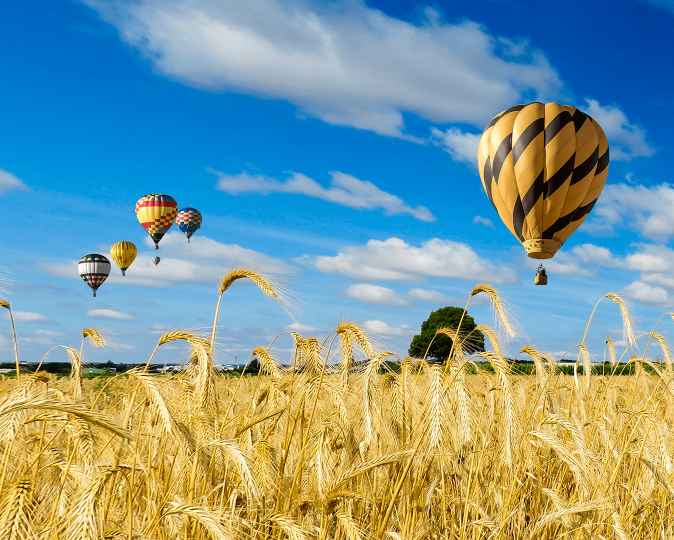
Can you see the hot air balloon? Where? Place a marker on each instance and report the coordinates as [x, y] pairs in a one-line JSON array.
[[123, 253], [156, 261], [189, 221], [156, 214], [543, 167], [94, 270]]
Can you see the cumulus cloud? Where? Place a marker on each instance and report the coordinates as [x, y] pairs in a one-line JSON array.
[[345, 63], [593, 254], [381, 328], [395, 260], [650, 258], [626, 140], [462, 146], [647, 294], [24, 316], [9, 182], [654, 262], [429, 296], [109, 314], [301, 328], [204, 260], [648, 210], [375, 294], [41, 337], [345, 190], [484, 221]]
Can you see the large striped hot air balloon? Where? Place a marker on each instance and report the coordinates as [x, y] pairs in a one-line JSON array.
[[94, 270], [543, 167], [188, 221], [123, 253], [156, 214]]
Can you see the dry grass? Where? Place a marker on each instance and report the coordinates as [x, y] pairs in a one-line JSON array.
[[343, 452]]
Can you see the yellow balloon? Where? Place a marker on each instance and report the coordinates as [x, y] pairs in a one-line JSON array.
[[543, 167], [123, 253]]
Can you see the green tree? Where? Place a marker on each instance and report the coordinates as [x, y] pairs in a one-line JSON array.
[[446, 317]]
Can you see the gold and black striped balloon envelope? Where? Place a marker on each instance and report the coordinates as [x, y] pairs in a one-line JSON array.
[[543, 167]]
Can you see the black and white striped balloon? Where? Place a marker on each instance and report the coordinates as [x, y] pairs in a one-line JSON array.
[[94, 270]]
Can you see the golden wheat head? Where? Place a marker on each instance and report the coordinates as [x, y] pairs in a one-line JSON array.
[[240, 273], [497, 304], [353, 332], [628, 322], [94, 336], [5, 304]]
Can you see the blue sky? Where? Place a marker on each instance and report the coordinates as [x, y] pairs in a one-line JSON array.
[[330, 144]]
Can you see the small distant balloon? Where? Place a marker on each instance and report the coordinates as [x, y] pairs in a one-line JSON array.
[[156, 261], [94, 269], [123, 253], [156, 213], [188, 221]]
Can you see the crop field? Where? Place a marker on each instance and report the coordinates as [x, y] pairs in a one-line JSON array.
[[339, 446]]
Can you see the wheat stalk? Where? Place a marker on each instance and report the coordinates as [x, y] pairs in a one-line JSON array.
[[8, 306], [263, 282]]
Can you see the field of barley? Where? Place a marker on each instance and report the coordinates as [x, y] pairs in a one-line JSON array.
[[338, 446]]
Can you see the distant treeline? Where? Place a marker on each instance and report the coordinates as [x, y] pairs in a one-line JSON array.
[[526, 367], [517, 367]]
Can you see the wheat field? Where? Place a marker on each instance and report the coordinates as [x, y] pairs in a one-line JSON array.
[[338, 446]]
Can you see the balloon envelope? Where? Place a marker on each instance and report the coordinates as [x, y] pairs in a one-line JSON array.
[[543, 167], [156, 261], [156, 213], [188, 221], [123, 253], [94, 270]]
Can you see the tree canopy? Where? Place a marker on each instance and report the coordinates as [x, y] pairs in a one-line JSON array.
[[446, 317]]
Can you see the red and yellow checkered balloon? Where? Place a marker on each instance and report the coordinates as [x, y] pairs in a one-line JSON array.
[[156, 214]]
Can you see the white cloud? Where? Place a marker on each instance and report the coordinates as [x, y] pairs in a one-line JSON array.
[[462, 146], [626, 140], [381, 328], [345, 190], [109, 314], [204, 260], [432, 297], [592, 254], [395, 260], [648, 210], [9, 182], [647, 294], [344, 63], [301, 328], [375, 294], [484, 221], [24, 316], [41, 337], [650, 259]]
